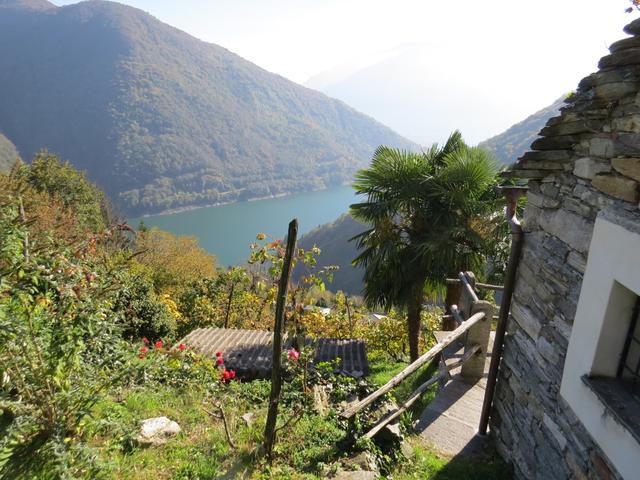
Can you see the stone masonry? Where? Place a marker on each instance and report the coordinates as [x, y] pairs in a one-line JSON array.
[[586, 163]]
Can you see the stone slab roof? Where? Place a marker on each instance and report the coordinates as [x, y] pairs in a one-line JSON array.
[[248, 352]]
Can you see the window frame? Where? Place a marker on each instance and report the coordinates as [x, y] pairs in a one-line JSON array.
[[610, 286]]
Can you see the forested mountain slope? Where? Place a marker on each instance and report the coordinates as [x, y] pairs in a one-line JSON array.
[[160, 119], [336, 249], [512, 143]]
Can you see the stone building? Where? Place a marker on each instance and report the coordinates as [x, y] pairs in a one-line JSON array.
[[567, 404]]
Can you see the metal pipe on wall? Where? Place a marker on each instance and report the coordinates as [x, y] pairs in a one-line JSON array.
[[512, 194]]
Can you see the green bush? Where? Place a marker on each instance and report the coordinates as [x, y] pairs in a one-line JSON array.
[[140, 310], [59, 350]]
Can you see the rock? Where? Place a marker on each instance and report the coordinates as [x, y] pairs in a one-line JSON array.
[[356, 475], [542, 201], [362, 461], [589, 168], [156, 431], [629, 167], [320, 400], [629, 123], [407, 450], [392, 432], [572, 229], [249, 418], [633, 28], [624, 44], [618, 187], [629, 56]]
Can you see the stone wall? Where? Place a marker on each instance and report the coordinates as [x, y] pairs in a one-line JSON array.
[[586, 163]]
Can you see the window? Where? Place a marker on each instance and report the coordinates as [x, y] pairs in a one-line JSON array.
[[600, 381], [629, 367]]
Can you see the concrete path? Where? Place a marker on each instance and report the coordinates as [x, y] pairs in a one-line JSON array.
[[449, 423]]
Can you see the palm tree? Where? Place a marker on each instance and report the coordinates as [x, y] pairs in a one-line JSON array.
[[429, 217]]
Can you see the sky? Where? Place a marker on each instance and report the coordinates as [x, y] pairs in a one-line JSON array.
[[536, 51]]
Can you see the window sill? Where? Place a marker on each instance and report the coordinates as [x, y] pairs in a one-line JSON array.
[[619, 400]]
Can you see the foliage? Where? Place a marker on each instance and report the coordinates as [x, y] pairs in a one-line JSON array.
[[173, 260], [333, 240], [140, 310], [47, 174], [59, 350], [430, 215]]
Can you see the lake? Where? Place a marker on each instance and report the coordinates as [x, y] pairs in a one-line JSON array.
[[227, 230]]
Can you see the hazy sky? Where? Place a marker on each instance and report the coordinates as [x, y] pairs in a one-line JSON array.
[[535, 51], [300, 38]]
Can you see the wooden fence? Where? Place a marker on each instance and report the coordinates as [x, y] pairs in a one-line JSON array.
[[473, 317]]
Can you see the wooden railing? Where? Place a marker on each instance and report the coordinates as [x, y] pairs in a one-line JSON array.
[[474, 320]]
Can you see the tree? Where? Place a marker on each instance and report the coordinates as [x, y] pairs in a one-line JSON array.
[[430, 215]]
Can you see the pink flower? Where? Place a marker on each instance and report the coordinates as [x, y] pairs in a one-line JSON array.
[[144, 350], [182, 347], [220, 361], [293, 354], [145, 340], [158, 344]]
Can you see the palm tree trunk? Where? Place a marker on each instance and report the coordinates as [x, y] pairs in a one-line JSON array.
[[413, 320]]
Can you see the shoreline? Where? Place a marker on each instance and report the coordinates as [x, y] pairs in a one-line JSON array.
[[189, 208]]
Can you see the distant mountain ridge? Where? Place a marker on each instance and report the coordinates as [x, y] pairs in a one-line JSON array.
[[162, 120], [512, 143]]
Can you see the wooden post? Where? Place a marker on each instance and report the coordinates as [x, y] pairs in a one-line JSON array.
[[452, 298], [479, 334], [276, 362], [467, 297]]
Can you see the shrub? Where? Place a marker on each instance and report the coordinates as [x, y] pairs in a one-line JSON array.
[[141, 311], [59, 350]]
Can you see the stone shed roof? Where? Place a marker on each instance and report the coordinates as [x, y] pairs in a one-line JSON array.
[[248, 352], [597, 135]]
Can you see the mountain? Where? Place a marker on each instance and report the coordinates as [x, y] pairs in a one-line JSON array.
[[336, 249], [425, 91], [8, 153], [162, 120], [511, 144]]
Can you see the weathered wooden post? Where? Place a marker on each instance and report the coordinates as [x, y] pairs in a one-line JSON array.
[[276, 361], [479, 334], [467, 294], [452, 298]]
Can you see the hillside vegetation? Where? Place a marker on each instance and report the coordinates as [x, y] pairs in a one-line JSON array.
[[162, 120], [336, 249], [512, 143]]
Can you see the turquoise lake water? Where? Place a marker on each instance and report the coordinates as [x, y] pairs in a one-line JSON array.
[[227, 230]]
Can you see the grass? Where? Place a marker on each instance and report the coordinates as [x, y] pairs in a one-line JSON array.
[[428, 465], [201, 451], [382, 370]]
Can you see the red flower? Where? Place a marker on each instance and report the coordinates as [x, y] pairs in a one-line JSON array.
[[293, 354], [144, 350], [220, 361], [227, 375], [158, 344], [145, 340], [218, 354], [141, 356], [182, 347]]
